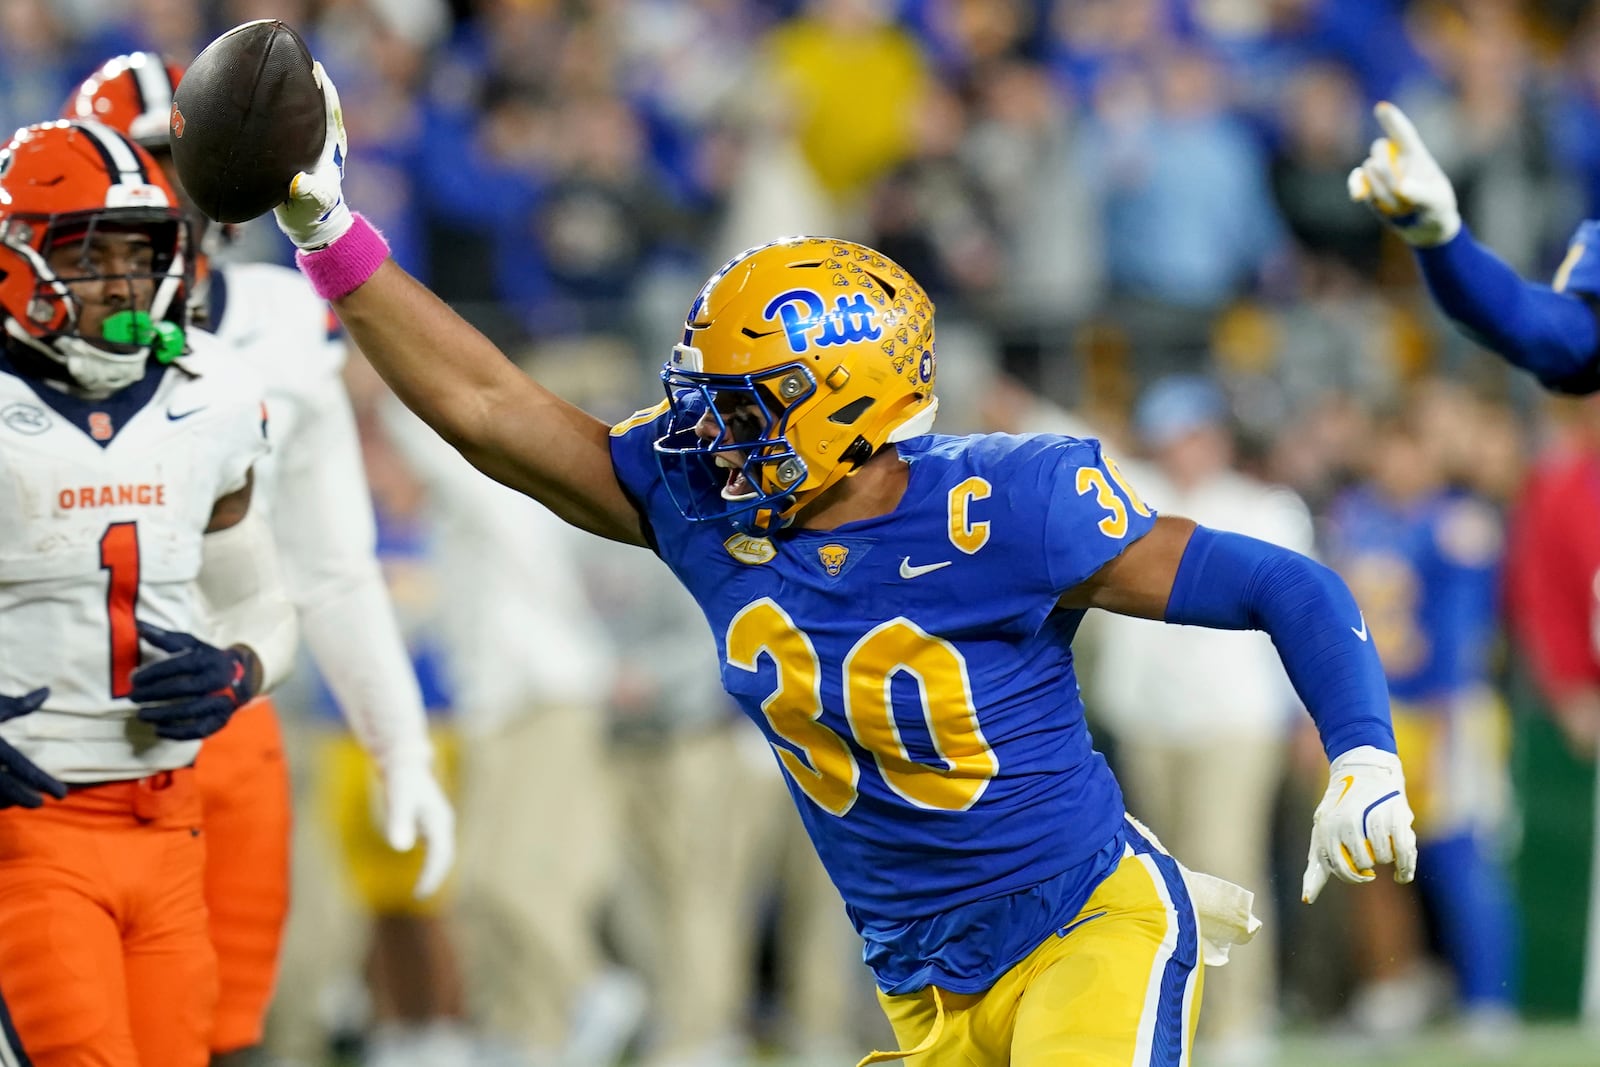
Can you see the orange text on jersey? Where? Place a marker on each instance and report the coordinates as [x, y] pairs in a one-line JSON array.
[[105, 496]]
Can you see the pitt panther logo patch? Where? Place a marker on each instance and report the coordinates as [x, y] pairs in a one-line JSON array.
[[805, 318], [833, 557]]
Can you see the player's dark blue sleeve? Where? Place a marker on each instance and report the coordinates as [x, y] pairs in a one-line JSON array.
[[1551, 332], [1092, 514], [1231, 582]]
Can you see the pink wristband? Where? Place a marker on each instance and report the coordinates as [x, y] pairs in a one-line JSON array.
[[346, 264]]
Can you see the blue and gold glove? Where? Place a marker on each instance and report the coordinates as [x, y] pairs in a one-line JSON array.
[[192, 693], [22, 783]]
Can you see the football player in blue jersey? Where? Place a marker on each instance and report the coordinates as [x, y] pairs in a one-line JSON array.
[[1423, 557], [894, 610], [1548, 330]]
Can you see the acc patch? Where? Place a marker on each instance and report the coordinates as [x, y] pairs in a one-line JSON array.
[[752, 550], [25, 418]]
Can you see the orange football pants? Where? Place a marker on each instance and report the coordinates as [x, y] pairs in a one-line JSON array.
[[105, 955], [244, 789]]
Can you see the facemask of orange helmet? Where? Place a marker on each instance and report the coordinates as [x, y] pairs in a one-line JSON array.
[[799, 360], [64, 188]]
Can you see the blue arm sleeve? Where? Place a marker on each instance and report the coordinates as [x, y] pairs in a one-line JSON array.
[[1554, 335], [1231, 582]]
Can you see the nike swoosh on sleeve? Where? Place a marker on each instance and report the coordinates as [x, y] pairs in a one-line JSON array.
[[1361, 633]]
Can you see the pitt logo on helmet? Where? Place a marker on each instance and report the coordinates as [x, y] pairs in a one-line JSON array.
[[800, 359], [802, 312]]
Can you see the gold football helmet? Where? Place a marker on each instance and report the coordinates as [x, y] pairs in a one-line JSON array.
[[804, 357]]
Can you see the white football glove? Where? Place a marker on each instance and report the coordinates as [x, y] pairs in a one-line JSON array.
[[1402, 182], [413, 805], [1364, 820], [315, 215]]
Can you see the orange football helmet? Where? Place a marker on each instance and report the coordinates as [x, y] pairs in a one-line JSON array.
[[808, 355], [131, 93], [62, 182]]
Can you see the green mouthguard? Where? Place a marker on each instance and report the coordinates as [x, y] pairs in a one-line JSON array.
[[165, 339]]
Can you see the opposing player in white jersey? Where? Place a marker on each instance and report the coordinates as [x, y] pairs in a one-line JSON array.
[[127, 547], [321, 520]]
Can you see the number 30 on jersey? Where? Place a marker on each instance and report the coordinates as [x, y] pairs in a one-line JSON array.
[[823, 765], [826, 768]]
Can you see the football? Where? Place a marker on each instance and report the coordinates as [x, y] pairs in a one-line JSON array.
[[246, 118]]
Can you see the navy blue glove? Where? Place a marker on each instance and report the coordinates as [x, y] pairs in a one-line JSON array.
[[195, 691], [22, 783]]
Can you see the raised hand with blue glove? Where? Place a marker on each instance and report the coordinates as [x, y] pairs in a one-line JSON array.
[[22, 783], [192, 693]]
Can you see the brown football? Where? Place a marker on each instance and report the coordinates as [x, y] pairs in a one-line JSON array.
[[247, 117]]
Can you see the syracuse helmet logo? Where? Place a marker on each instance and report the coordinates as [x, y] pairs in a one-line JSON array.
[[178, 121]]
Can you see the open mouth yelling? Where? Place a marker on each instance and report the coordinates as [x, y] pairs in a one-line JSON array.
[[738, 486]]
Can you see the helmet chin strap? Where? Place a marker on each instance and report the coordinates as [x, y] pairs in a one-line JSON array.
[[763, 519], [100, 373], [93, 371]]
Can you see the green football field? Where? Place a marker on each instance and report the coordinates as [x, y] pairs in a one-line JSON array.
[[1535, 1046]]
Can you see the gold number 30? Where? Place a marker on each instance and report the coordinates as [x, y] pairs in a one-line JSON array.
[[824, 767], [1090, 479]]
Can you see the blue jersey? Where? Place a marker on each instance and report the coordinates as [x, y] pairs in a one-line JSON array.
[[913, 674], [1426, 575]]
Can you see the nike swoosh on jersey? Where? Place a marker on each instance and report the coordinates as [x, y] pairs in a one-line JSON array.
[[176, 416], [1361, 633], [908, 571]]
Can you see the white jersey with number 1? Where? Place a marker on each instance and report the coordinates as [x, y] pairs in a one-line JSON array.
[[102, 523]]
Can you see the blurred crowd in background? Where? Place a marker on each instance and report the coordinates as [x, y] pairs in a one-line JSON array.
[[1133, 219]]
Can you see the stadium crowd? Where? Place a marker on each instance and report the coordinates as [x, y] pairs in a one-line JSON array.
[[1133, 217]]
